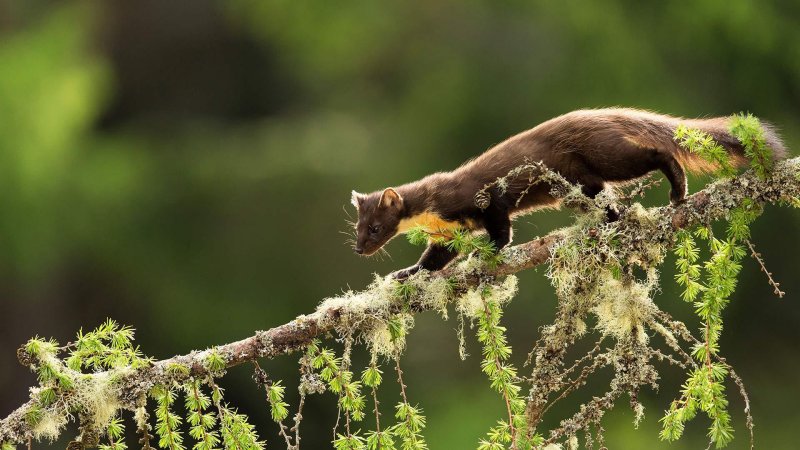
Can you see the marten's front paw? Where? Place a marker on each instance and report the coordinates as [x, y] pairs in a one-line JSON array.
[[401, 275]]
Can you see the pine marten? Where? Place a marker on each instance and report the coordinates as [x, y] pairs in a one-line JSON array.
[[588, 147]]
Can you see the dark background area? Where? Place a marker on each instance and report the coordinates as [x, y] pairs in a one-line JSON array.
[[185, 167]]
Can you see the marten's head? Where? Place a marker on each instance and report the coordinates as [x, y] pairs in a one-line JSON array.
[[379, 215]]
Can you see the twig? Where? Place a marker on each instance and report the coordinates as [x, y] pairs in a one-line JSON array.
[[682, 331], [757, 256], [498, 367], [743, 392], [400, 380], [297, 418], [641, 186], [668, 358], [261, 378], [599, 362], [585, 357], [592, 413], [222, 411]]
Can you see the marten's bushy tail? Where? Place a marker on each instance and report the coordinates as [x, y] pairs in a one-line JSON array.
[[719, 129]]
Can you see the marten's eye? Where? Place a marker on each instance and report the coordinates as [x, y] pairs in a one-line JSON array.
[[374, 229]]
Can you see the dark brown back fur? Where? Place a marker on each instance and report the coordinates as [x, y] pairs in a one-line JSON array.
[[590, 146]]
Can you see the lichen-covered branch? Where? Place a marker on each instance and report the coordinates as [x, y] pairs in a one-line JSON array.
[[365, 315]]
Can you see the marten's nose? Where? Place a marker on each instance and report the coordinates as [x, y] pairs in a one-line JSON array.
[[358, 250]]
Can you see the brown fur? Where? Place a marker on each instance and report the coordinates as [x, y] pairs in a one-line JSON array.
[[588, 147]]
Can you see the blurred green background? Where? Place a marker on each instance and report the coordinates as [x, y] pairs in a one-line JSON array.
[[185, 167]]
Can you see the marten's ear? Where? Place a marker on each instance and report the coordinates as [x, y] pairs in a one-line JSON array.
[[356, 199], [391, 199]]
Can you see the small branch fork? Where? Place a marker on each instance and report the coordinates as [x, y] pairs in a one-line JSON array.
[[712, 203]]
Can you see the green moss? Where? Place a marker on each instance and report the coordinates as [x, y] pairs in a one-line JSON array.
[[181, 369]]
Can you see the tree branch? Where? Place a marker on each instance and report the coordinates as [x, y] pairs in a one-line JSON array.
[[348, 311]]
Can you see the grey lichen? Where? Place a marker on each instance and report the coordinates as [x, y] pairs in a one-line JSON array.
[[623, 308], [471, 304], [265, 344]]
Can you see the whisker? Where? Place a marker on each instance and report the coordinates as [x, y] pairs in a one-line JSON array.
[[346, 211], [385, 253]]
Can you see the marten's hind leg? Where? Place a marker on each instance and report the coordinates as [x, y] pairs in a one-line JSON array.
[[676, 177], [591, 186], [498, 225]]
